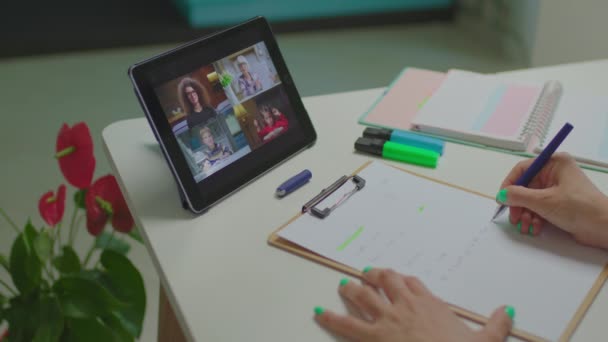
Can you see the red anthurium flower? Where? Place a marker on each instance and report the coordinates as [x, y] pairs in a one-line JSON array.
[[51, 206], [75, 154], [104, 201]]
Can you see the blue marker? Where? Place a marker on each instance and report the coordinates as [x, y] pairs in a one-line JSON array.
[[293, 183], [406, 138], [539, 162]]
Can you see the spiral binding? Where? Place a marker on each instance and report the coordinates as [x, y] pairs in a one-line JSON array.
[[542, 114]]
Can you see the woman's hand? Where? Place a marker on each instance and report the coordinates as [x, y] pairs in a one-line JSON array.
[[560, 194], [411, 313]]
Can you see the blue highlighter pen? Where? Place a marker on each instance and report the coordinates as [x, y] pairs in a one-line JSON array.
[[293, 183], [406, 138]]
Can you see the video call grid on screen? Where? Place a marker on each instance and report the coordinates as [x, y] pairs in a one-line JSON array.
[[222, 111]]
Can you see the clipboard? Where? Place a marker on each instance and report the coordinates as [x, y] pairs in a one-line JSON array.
[[275, 240]]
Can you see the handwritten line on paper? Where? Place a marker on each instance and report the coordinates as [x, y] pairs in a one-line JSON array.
[[423, 102], [350, 239]]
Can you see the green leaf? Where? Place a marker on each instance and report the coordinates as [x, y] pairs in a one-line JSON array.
[[22, 318], [81, 297], [43, 245], [106, 241], [51, 320], [68, 262], [2, 302], [90, 330], [128, 285], [2, 310], [30, 234], [135, 235], [4, 263], [79, 197], [25, 266], [120, 333]]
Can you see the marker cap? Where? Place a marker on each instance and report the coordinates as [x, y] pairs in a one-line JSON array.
[[399, 152], [406, 138]]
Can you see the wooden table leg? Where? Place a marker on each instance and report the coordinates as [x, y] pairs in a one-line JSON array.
[[168, 326]]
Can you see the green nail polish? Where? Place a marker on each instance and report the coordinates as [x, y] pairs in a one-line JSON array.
[[344, 281], [367, 269], [519, 227], [502, 196], [319, 310], [510, 311]]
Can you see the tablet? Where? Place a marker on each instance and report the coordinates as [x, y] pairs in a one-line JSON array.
[[224, 110]]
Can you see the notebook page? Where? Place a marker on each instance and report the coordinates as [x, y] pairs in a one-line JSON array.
[[402, 100], [443, 236], [588, 141], [479, 108]]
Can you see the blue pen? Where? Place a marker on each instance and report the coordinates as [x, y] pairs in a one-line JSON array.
[[293, 183], [406, 138], [539, 162]]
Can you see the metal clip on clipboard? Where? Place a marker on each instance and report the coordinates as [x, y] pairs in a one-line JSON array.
[[311, 205]]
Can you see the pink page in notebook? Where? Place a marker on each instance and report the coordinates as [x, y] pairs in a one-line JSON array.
[[404, 98], [511, 110]]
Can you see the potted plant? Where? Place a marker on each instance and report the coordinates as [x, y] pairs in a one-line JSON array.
[[55, 294], [226, 80]]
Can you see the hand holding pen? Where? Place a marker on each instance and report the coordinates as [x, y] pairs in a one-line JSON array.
[[560, 194], [535, 167]]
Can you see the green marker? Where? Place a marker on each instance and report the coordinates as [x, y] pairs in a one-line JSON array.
[[399, 152], [350, 239]]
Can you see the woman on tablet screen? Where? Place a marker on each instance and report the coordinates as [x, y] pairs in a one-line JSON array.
[[273, 125], [278, 115], [561, 194], [214, 151], [248, 82], [195, 101]]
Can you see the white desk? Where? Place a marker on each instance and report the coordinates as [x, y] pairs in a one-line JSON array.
[[223, 280]]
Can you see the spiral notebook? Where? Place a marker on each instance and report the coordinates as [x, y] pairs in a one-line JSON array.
[[485, 110]]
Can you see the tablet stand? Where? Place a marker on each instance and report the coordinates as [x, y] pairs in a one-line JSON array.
[[182, 198]]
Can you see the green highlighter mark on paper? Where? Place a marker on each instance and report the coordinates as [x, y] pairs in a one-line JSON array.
[[350, 239], [421, 209], [423, 102]]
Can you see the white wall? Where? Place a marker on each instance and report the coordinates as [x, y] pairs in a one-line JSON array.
[[540, 32], [509, 26], [569, 31], [520, 21]]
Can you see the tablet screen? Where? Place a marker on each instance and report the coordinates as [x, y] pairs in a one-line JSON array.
[[222, 111]]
